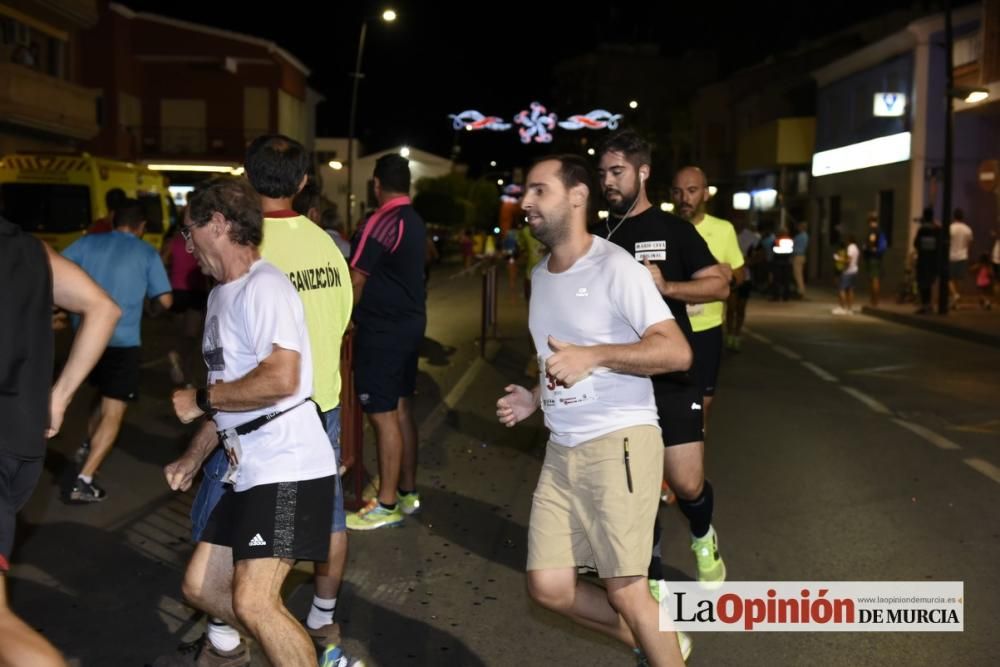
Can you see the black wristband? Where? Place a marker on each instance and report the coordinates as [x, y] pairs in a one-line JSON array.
[[203, 402]]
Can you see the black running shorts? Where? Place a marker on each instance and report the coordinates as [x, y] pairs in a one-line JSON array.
[[680, 410], [707, 348], [18, 478], [116, 374], [282, 520]]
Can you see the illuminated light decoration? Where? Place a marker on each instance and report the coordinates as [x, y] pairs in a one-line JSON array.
[[511, 193], [537, 124], [603, 215], [598, 119], [785, 246], [404, 151], [889, 104], [336, 164], [470, 119], [976, 96], [872, 153], [666, 207], [741, 201], [712, 190]]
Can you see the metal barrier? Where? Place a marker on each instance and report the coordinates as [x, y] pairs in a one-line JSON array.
[[489, 306], [352, 425]]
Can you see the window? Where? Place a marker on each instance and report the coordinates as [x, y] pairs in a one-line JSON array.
[[886, 212], [41, 207]]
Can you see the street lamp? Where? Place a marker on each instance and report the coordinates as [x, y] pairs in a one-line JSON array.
[[388, 16]]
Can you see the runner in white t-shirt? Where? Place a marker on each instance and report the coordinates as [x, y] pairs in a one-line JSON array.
[[601, 328], [282, 467]]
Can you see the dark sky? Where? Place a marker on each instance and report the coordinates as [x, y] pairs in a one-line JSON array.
[[443, 57]]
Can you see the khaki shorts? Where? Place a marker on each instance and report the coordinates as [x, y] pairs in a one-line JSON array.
[[583, 513]]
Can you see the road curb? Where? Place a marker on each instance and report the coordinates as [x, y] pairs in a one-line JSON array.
[[932, 323]]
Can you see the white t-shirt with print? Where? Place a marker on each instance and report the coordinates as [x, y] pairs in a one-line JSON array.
[[246, 318], [606, 297], [960, 235], [852, 259]]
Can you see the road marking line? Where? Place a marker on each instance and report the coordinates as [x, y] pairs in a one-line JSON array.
[[823, 375], [927, 434], [867, 400], [757, 337], [875, 370], [984, 467], [437, 415], [785, 352]]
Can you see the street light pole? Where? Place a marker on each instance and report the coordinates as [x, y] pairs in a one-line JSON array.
[[944, 293], [349, 212]]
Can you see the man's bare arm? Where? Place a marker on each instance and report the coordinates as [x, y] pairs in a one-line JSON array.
[[75, 291], [709, 284], [662, 349], [274, 379], [181, 473], [358, 281]]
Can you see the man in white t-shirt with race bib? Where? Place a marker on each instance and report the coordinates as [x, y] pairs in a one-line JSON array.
[[601, 328], [281, 466]]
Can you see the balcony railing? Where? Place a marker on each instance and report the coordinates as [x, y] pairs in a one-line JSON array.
[[29, 98], [194, 142]]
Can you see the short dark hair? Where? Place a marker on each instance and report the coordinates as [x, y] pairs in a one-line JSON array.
[[635, 149], [130, 213], [113, 198], [393, 172], [275, 165], [573, 171], [308, 197], [235, 199]]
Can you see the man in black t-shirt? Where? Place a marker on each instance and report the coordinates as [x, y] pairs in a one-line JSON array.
[[387, 272], [31, 408], [685, 272]]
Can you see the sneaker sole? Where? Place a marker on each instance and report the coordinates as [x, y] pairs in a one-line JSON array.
[[712, 584], [387, 524]]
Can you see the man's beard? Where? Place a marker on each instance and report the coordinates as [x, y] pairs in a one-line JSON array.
[[552, 232], [622, 207]]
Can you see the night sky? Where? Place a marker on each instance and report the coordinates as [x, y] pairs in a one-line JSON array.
[[444, 57]]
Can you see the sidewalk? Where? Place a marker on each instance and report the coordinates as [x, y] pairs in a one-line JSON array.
[[969, 322]]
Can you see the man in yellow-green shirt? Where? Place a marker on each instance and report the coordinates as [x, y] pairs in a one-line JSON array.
[[690, 196]]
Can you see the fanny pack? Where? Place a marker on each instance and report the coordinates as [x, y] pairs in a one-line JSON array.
[[230, 438]]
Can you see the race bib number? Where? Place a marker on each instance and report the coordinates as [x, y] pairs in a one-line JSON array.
[[555, 396], [234, 452], [695, 309]]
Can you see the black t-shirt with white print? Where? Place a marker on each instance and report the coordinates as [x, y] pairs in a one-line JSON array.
[[671, 243]]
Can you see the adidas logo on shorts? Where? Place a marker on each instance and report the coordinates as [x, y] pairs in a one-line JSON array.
[[257, 541]]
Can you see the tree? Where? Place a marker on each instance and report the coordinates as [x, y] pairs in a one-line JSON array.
[[456, 201]]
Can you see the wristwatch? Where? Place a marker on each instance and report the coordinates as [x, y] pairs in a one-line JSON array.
[[202, 400]]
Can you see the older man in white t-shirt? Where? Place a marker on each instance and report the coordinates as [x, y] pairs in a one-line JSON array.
[[282, 468], [601, 328]]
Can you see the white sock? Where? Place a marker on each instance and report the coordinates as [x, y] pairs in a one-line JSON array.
[[221, 636], [89, 479], [321, 612]]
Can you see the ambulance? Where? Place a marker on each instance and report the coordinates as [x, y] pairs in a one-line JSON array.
[[56, 196]]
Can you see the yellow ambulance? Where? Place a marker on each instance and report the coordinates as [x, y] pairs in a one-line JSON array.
[[57, 196]]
